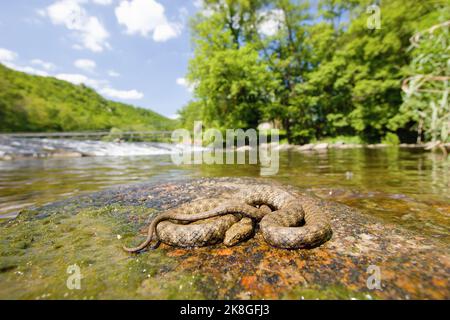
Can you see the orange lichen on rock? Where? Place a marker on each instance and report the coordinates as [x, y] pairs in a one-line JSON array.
[[248, 282], [224, 252]]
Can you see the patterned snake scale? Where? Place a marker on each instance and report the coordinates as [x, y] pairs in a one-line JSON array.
[[285, 220]]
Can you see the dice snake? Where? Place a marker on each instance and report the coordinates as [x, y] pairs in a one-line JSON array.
[[285, 220]]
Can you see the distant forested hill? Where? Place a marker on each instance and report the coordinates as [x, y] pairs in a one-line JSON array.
[[34, 103]]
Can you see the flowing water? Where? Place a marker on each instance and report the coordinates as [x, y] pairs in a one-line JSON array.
[[406, 187]]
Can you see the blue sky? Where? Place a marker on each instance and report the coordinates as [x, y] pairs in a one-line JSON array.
[[134, 51]]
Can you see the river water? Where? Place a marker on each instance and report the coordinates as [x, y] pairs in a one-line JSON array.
[[406, 187]]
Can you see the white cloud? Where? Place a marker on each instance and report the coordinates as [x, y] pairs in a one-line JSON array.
[[113, 74], [271, 22], [184, 83], [147, 16], [41, 12], [103, 2], [101, 86], [85, 65], [7, 55], [122, 94], [88, 29], [165, 32], [79, 79], [200, 4], [28, 69], [183, 13], [44, 64]]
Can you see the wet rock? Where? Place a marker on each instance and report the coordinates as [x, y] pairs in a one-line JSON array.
[[337, 144], [324, 146], [66, 154], [244, 148], [377, 145], [39, 246], [321, 146], [349, 146], [431, 145], [411, 145], [285, 147], [6, 157], [305, 147]]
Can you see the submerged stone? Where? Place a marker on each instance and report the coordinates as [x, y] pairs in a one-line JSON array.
[[72, 250]]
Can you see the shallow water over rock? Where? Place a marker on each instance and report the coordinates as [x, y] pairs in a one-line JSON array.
[[406, 187], [39, 246]]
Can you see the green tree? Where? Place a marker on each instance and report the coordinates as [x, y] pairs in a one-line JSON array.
[[232, 83], [426, 90], [319, 72]]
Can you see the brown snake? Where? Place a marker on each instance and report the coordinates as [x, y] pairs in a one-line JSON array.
[[285, 220]]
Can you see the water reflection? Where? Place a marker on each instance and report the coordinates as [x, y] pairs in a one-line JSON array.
[[402, 186]]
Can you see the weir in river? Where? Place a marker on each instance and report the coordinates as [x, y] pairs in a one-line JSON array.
[[92, 135]]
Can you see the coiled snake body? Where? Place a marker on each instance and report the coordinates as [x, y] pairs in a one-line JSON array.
[[285, 221]]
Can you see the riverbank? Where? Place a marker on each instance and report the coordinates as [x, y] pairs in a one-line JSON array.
[[342, 145], [89, 231]]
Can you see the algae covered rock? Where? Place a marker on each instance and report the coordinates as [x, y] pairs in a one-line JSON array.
[[72, 250]]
